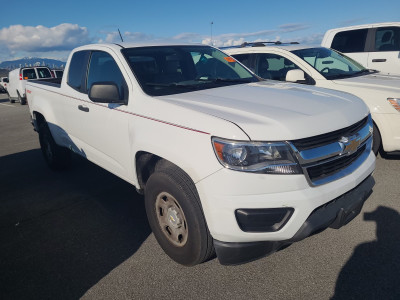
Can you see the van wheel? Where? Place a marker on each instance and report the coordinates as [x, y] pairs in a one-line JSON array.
[[175, 215], [21, 101], [56, 157], [376, 140], [9, 98]]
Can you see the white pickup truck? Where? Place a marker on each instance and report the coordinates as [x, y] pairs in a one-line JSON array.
[[228, 164]]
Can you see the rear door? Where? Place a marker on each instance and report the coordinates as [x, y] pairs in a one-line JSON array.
[[384, 54], [353, 44]]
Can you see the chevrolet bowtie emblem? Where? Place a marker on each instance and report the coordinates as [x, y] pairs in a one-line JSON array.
[[350, 144]]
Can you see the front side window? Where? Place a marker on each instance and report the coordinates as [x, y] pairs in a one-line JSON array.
[[28, 74], [387, 39], [273, 66], [103, 68], [77, 70], [329, 63], [165, 70], [350, 41], [43, 73], [245, 59]]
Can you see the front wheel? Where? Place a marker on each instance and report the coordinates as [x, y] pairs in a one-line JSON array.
[[56, 157], [376, 140], [175, 215], [9, 98]]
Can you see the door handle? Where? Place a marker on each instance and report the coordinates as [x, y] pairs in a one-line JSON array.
[[83, 108], [379, 60]]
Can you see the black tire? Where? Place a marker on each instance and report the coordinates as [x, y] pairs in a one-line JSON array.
[[173, 188], [376, 140], [21, 100], [56, 157], [9, 98]]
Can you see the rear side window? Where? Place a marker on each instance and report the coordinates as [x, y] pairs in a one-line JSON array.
[[387, 39], [43, 73], [350, 41], [77, 70], [29, 74]]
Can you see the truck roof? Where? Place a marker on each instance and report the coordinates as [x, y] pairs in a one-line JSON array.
[[117, 46]]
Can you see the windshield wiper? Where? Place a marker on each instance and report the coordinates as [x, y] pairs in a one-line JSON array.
[[189, 86], [238, 80]]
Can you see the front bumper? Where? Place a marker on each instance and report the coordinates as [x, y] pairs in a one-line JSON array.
[[334, 214]]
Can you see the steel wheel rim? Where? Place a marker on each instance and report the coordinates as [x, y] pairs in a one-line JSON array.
[[171, 219]]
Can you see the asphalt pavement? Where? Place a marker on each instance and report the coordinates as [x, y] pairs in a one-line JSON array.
[[83, 233]]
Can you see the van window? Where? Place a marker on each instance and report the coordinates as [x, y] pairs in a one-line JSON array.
[[77, 70], [28, 74], [350, 41], [43, 73], [387, 39]]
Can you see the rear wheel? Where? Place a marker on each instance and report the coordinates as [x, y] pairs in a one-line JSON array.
[[175, 215], [376, 140], [21, 100], [56, 157]]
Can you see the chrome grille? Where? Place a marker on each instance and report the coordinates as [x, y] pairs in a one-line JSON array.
[[328, 157], [328, 138]]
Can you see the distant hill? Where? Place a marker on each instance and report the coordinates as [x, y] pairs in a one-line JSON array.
[[32, 61]]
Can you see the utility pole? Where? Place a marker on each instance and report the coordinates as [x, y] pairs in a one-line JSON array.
[[212, 44]]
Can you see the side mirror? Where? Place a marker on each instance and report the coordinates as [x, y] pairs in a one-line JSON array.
[[5, 80], [295, 76], [105, 92]]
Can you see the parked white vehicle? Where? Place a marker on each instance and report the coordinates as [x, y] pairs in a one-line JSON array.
[[376, 46], [225, 161], [17, 80], [3, 84], [327, 68]]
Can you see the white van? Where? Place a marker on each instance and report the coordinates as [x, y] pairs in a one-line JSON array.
[[3, 84], [17, 79], [375, 46]]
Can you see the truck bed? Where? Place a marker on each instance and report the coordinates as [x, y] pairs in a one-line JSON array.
[[55, 82]]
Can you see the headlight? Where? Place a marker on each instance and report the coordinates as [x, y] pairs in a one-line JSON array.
[[395, 103], [256, 157]]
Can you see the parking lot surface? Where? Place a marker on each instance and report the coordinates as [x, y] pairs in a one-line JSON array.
[[83, 233]]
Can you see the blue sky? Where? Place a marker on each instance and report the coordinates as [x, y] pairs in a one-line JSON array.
[[52, 29]]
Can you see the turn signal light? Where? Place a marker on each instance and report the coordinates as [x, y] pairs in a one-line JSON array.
[[395, 103]]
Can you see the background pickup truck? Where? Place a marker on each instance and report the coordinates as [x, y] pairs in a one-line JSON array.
[[228, 164]]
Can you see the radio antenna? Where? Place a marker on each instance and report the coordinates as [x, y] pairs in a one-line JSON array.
[[120, 35]]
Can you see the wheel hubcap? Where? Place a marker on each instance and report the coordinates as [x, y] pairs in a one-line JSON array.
[[171, 219]]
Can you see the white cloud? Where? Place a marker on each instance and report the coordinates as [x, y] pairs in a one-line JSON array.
[[42, 39], [293, 27]]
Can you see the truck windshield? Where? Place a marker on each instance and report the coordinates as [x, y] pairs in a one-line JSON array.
[[165, 70], [331, 64]]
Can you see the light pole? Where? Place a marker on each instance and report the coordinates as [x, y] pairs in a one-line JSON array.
[[212, 44]]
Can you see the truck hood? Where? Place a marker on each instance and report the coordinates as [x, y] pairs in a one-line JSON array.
[[268, 111], [373, 81]]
